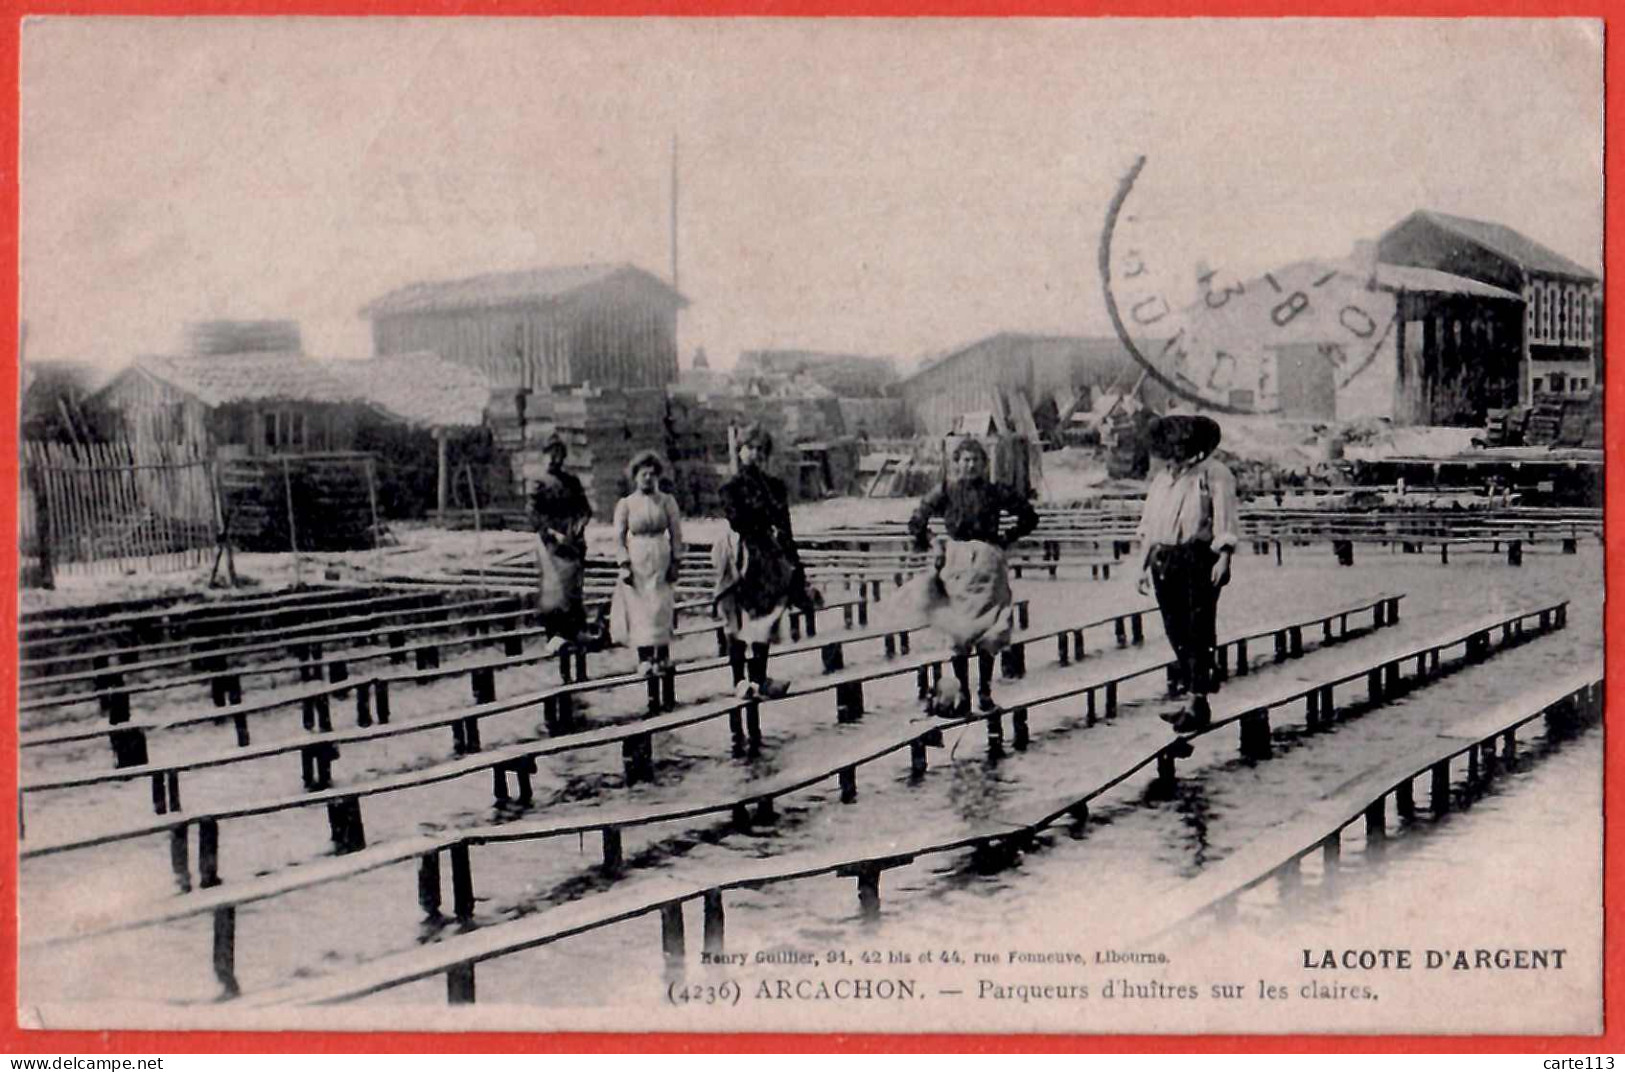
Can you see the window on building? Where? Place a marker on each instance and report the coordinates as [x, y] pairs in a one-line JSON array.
[[1585, 318], [1558, 382], [1535, 385], [1579, 383], [268, 422]]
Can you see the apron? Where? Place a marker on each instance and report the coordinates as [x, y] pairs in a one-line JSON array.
[[641, 613], [968, 600]]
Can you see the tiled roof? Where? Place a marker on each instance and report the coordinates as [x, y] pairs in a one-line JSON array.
[[1524, 252], [219, 379], [421, 388], [500, 289]]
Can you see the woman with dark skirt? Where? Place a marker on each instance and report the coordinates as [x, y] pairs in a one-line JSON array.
[[1189, 530], [560, 511], [759, 574], [968, 595]]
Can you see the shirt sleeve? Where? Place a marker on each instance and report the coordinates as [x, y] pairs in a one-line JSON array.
[[1025, 513], [919, 525], [1226, 511]]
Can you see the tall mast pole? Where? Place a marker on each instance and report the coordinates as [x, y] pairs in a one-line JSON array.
[[674, 275]]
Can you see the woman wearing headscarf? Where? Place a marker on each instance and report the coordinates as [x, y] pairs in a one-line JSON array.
[[648, 549], [1189, 530], [559, 512], [759, 572], [969, 596]]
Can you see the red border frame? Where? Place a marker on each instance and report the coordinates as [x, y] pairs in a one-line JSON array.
[[16, 1040]]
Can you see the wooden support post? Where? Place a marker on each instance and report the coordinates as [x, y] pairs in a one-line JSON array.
[[637, 758], [160, 800], [427, 657], [736, 728], [1373, 685], [180, 857], [1311, 709], [1089, 707], [338, 670], [1166, 775], [1277, 552], [1111, 699], [1444, 552], [1376, 824], [863, 611], [1023, 620], [613, 853], [460, 984], [499, 784], [462, 882], [1243, 667], [1063, 654], [429, 884], [363, 703], [1390, 679], [834, 656], [1295, 640], [239, 723], [1439, 791], [671, 933], [849, 701], [172, 787], [225, 950], [916, 758], [1280, 645], [765, 812], [130, 747], [1405, 801], [753, 726], [1331, 853], [848, 778], [208, 853], [903, 642], [1137, 628], [471, 733], [1255, 734], [1328, 705], [483, 685], [1120, 630], [891, 646], [1509, 745], [1077, 645], [869, 892], [714, 938], [1020, 733]]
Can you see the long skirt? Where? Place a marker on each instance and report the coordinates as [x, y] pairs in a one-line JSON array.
[[641, 613], [754, 586], [560, 587], [968, 600]]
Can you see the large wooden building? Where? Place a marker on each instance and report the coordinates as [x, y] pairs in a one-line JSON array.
[[1012, 371], [1560, 334], [604, 325]]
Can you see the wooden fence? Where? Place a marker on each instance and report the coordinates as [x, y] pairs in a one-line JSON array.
[[110, 507]]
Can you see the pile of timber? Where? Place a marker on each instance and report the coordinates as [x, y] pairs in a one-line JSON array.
[[330, 495]]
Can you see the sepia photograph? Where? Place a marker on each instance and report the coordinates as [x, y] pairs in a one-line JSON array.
[[1003, 526]]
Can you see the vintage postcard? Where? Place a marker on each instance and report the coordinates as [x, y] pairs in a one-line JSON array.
[[1001, 526]]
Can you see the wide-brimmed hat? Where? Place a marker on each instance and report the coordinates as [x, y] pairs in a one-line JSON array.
[[1184, 435]]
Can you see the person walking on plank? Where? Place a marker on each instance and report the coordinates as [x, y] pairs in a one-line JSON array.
[[968, 592], [1189, 530], [648, 550], [559, 512], [759, 574]]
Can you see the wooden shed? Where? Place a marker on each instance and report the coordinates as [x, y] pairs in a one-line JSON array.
[[236, 405], [1011, 369], [607, 325]]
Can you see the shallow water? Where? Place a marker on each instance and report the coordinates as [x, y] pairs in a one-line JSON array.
[[1084, 887]]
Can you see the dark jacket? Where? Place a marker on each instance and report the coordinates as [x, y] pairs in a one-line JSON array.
[[560, 503], [972, 510]]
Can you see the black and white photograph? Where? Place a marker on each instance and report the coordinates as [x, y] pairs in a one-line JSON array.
[[1081, 526]]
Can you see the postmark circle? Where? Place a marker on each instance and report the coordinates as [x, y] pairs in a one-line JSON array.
[[1224, 347]]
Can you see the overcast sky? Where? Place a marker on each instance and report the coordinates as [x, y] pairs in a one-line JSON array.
[[880, 187]]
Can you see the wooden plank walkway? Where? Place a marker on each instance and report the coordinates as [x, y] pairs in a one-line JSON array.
[[456, 957], [1318, 825]]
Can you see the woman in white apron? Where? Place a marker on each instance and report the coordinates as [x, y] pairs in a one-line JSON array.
[[648, 549]]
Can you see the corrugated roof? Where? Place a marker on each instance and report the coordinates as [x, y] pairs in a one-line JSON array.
[[1522, 251], [220, 379], [420, 388], [1395, 277], [498, 289]]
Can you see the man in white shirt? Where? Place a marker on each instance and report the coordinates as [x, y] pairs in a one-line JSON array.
[[1189, 530]]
